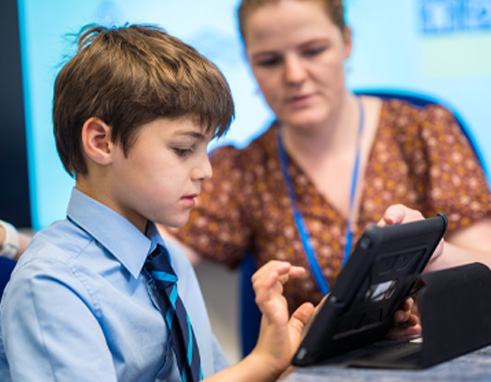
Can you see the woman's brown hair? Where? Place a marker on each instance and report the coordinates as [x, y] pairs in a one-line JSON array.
[[334, 9]]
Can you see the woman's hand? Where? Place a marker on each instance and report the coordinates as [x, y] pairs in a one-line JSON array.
[[399, 214], [406, 321]]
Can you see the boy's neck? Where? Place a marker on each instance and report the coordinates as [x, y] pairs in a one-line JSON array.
[[97, 191]]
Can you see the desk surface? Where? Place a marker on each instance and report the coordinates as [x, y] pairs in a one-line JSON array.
[[475, 366]]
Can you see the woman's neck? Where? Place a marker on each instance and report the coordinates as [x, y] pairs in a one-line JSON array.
[[339, 133]]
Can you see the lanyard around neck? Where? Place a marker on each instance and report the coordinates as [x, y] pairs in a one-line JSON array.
[[299, 221]]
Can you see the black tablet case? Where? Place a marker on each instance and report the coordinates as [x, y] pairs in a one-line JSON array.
[[455, 316], [378, 277]]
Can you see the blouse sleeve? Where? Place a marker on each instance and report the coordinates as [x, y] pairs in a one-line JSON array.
[[218, 227], [455, 181]]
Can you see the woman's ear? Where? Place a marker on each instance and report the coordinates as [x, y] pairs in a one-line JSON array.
[[348, 42], [96, 141]]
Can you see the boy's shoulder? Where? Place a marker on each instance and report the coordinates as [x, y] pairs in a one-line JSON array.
[[50, 265], [52, 253], [61, 241]]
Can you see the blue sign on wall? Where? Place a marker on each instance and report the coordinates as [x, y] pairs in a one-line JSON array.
[[444, 16]]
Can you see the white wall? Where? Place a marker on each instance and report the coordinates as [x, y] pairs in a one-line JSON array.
[[451, 61]]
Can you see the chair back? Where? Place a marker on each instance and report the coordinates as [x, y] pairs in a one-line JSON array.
[[6, 268]]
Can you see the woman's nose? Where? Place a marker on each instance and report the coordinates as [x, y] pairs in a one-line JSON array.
[[294, 70]]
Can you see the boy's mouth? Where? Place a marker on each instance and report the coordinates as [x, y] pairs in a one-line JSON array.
[[189, 200]]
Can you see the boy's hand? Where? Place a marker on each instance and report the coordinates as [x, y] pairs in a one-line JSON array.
[[280, 335]]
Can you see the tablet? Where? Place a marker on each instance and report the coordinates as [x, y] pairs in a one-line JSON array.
[[378, 277]]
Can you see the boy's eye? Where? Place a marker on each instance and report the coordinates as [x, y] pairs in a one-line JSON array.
[[183, 152]]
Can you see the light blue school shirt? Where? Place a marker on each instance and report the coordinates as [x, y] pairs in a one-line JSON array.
[[80, 307]]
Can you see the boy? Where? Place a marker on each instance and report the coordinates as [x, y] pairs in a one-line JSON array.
[[133, 113]]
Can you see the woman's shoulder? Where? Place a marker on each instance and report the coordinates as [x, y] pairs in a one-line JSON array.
[[259, 147], [408, 107], [245, 165], [401, 113]]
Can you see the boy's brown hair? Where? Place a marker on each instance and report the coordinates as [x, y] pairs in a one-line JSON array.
[[130, 76]]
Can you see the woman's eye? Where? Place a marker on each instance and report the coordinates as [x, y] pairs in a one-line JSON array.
[[314, 51], [268, 62]]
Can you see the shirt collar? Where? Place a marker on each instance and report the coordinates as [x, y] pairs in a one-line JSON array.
[[115, 233]]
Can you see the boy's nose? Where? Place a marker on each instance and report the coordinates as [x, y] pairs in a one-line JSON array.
[[203, 170]]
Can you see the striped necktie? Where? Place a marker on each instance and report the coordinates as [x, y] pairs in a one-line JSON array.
[[176, 318]]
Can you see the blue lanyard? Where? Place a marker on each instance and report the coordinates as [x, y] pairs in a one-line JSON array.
[[299, 221]]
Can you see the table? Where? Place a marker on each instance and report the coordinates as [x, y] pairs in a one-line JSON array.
[[474, 366]]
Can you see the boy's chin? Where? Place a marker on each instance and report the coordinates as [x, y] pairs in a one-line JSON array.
[[177, 223]]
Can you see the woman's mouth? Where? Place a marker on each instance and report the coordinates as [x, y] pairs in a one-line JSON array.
[[300, 100]]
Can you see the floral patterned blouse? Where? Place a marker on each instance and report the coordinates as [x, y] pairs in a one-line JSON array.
[[419, 158]]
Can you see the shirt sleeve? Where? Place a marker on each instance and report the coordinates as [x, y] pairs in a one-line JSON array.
[[219, 226], [454, 178], [49, 332]]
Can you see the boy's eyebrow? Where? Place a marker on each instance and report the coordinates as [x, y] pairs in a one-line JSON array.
[[193, 134]]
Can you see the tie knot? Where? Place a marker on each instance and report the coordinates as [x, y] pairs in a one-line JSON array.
[[158, 264]]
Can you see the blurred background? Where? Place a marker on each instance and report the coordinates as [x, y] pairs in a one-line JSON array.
[[441, 48]]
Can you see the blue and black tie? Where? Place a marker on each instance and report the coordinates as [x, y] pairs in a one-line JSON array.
[[184, 341]]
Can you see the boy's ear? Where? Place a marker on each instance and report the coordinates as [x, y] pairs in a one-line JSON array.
[[96, 140]]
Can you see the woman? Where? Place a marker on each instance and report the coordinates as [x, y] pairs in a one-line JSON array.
[[332, 162]]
